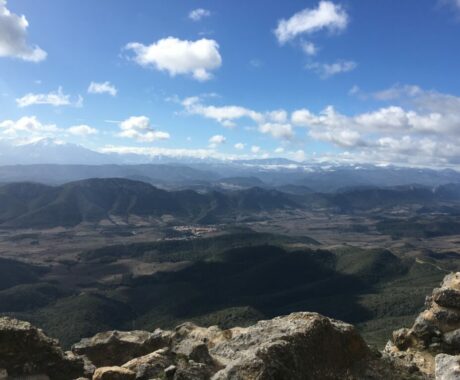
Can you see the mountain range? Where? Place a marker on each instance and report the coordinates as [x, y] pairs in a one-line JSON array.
[[36, 205], [52, 162]]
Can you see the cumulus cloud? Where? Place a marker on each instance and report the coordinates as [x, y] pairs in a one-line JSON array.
[[13, 37], [198, 14], [277, 130], [140, 129], [179, 57], [239, 146], [216, 140], [426, 131], [255, 149], [53, 98], [82, 130], [327, 16], [102, 88], [419, 126], [27, 125], [225, 115], [274, 123], [327, 70], [298, 155]]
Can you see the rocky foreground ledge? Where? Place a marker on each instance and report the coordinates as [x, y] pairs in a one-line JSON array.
[[300, 346]]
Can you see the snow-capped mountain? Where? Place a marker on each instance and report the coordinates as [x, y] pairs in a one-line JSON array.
[[50, 151]]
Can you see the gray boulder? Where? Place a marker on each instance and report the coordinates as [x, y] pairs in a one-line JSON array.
[[114, 348], [447, 367], [27, 351]]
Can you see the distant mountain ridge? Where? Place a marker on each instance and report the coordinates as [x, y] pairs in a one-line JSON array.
[[234, 175], [93, 200], [24, 205], [54, 162]]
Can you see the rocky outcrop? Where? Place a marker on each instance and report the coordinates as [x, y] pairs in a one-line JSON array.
[[27, 351], [433, 342], [300, 346], [118, 347], [114, 373]]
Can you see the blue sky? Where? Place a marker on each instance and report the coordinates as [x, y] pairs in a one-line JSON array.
[[367, 81]]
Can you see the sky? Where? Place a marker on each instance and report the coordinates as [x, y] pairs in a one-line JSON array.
[[344, 81]]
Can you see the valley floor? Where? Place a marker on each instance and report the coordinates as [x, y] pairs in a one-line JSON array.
[[157, 274]]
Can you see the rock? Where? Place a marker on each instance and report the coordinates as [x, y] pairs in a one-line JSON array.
[[150, 365], [114, 373], [298, 346], [26, 350], [436, 332], [186, 343], [118, 347], [170, 371], [170, 365], [402, 339], [452, 339], [447, 367], [447, 297]]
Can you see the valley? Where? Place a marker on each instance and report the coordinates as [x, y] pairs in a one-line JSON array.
[[268, 253]]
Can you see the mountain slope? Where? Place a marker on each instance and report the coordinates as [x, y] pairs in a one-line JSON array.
[[32, 205]]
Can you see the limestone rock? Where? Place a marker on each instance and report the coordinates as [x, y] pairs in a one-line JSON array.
[[436, 332], [114, 373], [452, 339], [447, 297], [298, 346], [117, 347], [151, 365], [26, 350], [447, 367]]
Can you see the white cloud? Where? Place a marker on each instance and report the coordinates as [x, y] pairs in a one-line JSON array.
[[277, 130], [278, 116], [169, 152], [344, 138], [309, 48], [239, 146], [53, 98], [397, 92], [216, 140], [391, 117], [199, 14], [13, 37], [26, 125], [226, 115], [82, 130], [327, 15], [279, 150], [255, 149], [274, 122], [298, 155], [102, 88], [327, 70], [140, 129], [179, 57], [427, 132]]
